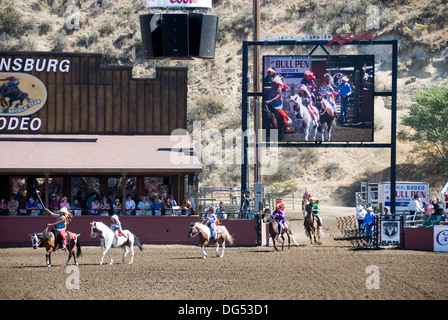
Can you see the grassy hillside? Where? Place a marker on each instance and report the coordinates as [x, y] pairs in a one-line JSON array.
[[214, 96]]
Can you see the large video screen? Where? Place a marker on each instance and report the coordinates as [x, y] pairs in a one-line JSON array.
[[318, 98]]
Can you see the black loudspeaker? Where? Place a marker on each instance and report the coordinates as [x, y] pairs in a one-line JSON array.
[[203, 29], [164, 35]]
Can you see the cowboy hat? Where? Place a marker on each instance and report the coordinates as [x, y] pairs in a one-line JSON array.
[[369, 209], [344, 78]]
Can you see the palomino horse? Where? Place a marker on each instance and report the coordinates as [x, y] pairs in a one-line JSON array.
[[201, 230], [273, 230], [303, 121], [48, 240], [326, 119], [109, 240], [311, 227]]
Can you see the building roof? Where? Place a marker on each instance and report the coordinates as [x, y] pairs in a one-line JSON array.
[[97, 154]]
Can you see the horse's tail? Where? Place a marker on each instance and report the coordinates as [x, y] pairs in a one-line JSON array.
[[228, 236], [78, 248], [138, 243], [293, 238]]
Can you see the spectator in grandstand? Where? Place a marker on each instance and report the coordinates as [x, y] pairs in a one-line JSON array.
[[360, 214], [13, 206], [31, 205], [438, 207], [3, 207], [116, 207], [387, 213], [64, 203], [95, 206], [369, 224], [429, 209], [55, 202], [186, 208], [145, 206], [415, 205], [129, 205], [445, 222]]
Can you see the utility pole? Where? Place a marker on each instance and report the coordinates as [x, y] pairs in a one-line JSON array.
[[256, 88]]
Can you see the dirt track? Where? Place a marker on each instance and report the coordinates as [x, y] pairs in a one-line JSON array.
[[334, 270]]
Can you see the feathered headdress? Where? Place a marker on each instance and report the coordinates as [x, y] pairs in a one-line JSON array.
[[279, 80], [68, 215]]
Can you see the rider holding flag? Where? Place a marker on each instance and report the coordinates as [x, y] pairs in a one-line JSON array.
[[210, 220], [63, 219]]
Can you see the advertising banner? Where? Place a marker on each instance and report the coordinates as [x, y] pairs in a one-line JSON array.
[[175, 4], [390, 232], [441, 238], [404, 193]]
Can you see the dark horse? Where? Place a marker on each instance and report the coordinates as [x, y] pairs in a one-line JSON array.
[[273, 230], [14, 94], [326, 118], [311, 226], [49, 241]]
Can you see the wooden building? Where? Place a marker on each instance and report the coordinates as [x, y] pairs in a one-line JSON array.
[[66, 120]]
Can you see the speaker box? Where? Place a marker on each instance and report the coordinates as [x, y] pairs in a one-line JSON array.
[[203, 29], [164, 35]]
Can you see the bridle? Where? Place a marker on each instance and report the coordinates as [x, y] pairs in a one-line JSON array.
[[192, 228], [95, 232]]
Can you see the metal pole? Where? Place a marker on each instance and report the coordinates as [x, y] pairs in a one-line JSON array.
[[244, 121], [393, 148], [256, 75]]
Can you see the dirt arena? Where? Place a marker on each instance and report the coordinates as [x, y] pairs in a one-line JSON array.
[[336, 269]]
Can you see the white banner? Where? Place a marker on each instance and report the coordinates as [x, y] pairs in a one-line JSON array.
[[441, 238], [404, 193], [390, 232], [173, 4]]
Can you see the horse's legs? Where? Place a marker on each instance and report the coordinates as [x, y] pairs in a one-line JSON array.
[[273, 241], [48, 259], [223, 245], [217, 248], [132, 253], [110, 256], [203, 251], [126, 251]]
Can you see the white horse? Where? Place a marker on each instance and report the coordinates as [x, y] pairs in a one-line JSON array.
[[303, 121], [109, 240], [201, 230]]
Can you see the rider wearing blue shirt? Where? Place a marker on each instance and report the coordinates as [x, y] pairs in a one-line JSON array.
[[344, 91], [369, 224], [210, 221]]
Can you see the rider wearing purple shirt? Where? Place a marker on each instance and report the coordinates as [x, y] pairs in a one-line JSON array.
[[279, 216]]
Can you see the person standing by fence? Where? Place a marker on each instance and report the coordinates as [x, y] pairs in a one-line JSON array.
[[360, 213], [369, 224]]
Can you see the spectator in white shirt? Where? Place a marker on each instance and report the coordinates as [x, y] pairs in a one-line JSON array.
[[415, 205]]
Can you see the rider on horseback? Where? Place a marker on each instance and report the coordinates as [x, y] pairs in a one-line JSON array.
[[210, 220], [279, 216], [307, 101], [63, 218], [313, 207], [13, 81], [116, 228]]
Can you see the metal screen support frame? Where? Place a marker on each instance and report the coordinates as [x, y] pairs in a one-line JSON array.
[[323, 44]]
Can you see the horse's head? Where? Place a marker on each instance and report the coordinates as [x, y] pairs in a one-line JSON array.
[[94, 231], [193, 230], [35, 242], [267, 216]]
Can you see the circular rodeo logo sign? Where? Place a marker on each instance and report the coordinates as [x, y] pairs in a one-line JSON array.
[[21, 94]]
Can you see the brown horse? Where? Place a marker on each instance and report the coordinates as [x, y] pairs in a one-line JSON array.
[[48, 240], [326, 118], [311, 227], [273, 230], [201, 230]]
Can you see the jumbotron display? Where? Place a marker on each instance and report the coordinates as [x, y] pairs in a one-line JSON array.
[[318, 98]]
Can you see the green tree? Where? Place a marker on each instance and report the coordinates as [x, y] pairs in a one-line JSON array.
[[426, 127]]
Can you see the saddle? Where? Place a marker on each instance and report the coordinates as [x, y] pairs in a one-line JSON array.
[[58, 239]]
